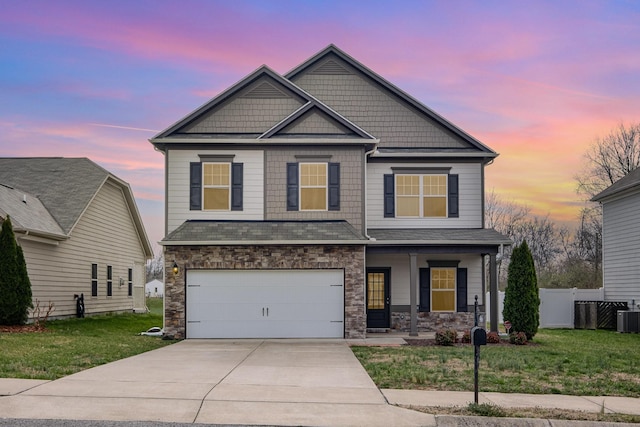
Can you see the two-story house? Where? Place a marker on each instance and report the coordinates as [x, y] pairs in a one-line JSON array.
[[321, 203]]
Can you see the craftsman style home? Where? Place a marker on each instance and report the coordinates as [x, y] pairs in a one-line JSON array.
[[325, 202], [80, 231], [621, 239]]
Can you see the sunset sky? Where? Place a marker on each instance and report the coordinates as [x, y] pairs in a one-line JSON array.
[[537, 81]]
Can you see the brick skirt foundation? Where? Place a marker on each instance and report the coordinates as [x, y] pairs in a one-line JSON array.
[[350, 258]]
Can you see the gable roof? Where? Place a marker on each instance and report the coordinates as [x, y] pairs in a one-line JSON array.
[[262, 84], [329, 99], [28, 214], [628, 182], [65, 187], [328, 62]]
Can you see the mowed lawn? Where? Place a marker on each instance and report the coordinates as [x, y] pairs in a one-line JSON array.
[[72, 345], [573, 362]]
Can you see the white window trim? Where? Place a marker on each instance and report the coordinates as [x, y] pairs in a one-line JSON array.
[[421, 196], [228, 187], [325, 186], [455, 291]]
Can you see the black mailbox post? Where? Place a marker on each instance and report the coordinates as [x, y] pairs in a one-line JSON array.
[[478, 336]]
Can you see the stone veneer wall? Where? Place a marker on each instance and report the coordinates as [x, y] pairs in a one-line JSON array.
[[348, 257], [430, 322]]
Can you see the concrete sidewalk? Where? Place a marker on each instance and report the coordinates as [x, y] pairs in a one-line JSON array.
[[272, 382]]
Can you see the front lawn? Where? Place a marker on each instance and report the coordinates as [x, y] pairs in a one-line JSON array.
[[72, 345], [574, 362]]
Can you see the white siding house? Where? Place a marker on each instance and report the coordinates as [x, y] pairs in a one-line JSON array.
[[621, 239]]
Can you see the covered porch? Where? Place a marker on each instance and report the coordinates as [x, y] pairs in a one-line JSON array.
[[422, 280]]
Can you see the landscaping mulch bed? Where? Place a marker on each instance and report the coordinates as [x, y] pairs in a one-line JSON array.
[[428, 342]]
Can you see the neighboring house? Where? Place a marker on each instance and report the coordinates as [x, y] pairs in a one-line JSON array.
[[322, 203], [621, 239], [154, 289], [80, 231]]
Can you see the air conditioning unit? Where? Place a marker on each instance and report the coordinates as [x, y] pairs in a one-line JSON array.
[[628, 321]]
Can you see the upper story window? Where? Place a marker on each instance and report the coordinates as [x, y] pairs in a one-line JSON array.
[[313, 186], [216, 183], [421, 196], [408, 193]]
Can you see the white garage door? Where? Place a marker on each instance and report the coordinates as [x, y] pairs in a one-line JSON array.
[[265, 304]]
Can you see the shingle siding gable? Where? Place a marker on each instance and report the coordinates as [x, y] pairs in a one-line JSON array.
[[253, 110], [377, 110]]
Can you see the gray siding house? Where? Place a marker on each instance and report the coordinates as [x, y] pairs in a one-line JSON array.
[[621, 239], [325, 202], [80, 231]]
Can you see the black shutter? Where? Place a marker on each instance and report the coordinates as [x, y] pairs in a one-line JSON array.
[[195, 186], [425, 289], [334, 186], [453, 196], [236, 186], [292, 186], [389, 196], [461, 290]]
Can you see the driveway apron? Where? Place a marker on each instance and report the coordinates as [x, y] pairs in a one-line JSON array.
[[277, 382]]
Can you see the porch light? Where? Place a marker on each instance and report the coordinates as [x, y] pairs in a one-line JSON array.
[[175, 268]]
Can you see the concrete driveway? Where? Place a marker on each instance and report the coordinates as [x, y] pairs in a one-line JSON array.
[[281, 382]]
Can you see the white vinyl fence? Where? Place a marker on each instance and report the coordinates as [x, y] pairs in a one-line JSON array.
[[556, 305]]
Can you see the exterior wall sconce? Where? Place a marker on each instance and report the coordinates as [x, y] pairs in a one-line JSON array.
[[175, 268]]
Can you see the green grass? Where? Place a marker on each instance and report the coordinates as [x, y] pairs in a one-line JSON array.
[[575, 362], [72, 345]]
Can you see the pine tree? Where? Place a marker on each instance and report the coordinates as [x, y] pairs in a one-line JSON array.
[[521, 298], [15, 287]]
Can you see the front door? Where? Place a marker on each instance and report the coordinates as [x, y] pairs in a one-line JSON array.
[[378, 297]]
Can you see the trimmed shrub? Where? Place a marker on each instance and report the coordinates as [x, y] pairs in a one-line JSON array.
[[466, 337], [518, 338], [521, 300], [446, 337], [493, 338]]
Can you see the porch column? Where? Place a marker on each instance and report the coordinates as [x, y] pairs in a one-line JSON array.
[[493, 288], [413, 293]]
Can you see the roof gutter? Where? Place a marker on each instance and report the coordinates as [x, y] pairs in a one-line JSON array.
[[260, 242]]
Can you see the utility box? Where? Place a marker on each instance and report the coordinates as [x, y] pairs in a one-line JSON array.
[[478, 336], [628, 321]]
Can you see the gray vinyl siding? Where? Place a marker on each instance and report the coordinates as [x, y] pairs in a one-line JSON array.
[[105, 235], [470, 197], [400, 271], [382, 114], [351, 185], [621, 249]]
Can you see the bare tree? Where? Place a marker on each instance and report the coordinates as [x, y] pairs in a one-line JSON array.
[[610, 158], [607, 160]]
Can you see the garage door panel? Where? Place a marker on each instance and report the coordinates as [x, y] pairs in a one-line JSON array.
[[265, 304]]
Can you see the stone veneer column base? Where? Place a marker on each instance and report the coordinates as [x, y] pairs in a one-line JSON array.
[[349, 258]]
